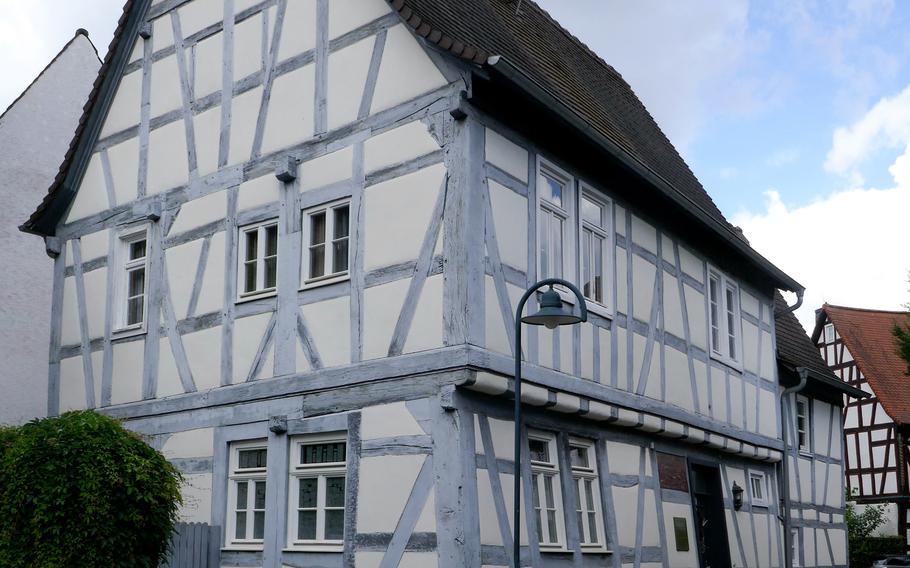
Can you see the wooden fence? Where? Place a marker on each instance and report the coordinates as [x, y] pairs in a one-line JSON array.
[[194, 545]]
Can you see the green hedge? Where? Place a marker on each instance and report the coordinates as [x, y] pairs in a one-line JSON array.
[[81, 491], [865, 551]]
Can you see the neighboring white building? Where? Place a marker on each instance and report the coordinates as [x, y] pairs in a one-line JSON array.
[[35, 132], [290, 240]]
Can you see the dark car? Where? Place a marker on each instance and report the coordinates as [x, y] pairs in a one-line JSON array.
[[892, 561]]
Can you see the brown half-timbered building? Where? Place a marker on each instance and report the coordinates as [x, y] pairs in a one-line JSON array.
[[858, 345]]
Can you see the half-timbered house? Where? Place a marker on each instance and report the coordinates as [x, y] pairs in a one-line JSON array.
[[859, 346], [289, 238]]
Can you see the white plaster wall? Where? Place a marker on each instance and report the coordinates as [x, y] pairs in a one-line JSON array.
[[327, 169], [348, 69], [199, 14], [168, 377], [510, 216], [256, 192], [388, 420], [291, 109], [92, 195], [211, 293], [329, 324], [398, 145], [203, 351], [168, 165], [506, 155], [124, 158], [34, 135], [299, 32], [248, 334], [244, 114], [165, 86], [199, 212], [127, 374], [182, 262], [72, 384], [197, 498], [385, 484], [401, 235], [124, 111], [207, 130], [348, 15], [405, 72]]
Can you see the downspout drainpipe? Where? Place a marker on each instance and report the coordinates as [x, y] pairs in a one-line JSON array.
[[784, 479]]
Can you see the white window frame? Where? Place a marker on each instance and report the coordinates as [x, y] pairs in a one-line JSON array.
[[807, 431], [829, 333], [584, 477], [721, 352], [540, 471], [261, 290], [566, 212], [328, 276], [320, 471], [605, 232], [794, 547], [124, 265], [763, 480], [251, 476]]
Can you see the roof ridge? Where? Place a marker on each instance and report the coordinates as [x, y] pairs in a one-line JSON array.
[[869, 310], [79, 32]]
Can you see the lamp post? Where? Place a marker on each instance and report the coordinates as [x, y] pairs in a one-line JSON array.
[[552, 314]]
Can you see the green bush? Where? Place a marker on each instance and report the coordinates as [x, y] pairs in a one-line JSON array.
[[81, 491], [863, 552]]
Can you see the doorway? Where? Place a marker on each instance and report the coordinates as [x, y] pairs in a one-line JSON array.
[[710, 521]]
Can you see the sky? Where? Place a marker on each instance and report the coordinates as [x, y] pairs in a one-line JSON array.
[[794, 115]]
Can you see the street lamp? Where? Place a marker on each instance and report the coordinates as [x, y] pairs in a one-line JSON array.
[[552, 314]]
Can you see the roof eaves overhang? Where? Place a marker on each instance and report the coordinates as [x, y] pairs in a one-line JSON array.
[[500, 66], [826, 381]]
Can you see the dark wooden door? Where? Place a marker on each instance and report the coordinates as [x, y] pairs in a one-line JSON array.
[[710, 521]]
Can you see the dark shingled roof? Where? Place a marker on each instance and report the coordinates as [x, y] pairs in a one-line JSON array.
[[868, 336], [548, 54], [794, 347]]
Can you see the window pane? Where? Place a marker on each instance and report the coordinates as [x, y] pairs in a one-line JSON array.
[[578, 495], [308, 491], [539, 450], [551, 526], [317, 231], [249, 276], [334, 525], [340, 255], [586, 261], [241, 495], [592, 528], [271, 271], [271, 240], [240, 529], [306, 525], [553, 190], [579, 456], [317, 261], [259, 501], [342, 222], [136, 283], [535, 491], [731, 322], [134, 311], [589, 494], [252, 245], [544, 239], [580, 518], [548, 491], [334, 492], [715, 315], [258, 525], [252, 459], [556, 256], [598, 270], [137, 250], [333, 452], [591, 212]]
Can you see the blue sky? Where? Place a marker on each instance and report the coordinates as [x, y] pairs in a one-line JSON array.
[[794, 114], [751, 92]]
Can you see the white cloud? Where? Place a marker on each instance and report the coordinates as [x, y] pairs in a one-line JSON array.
[[783, 157], [885, 126], [849, 248]]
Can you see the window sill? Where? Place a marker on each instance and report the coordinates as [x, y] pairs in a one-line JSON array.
[[554, 549], [128, 332], [761, 505], [256, 296], [805, 453], [595, 550], [599, 309], [242, 548], [336, 548], [325, 281], [727, 362]]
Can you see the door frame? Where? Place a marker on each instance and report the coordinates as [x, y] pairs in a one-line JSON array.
[[692, 463]]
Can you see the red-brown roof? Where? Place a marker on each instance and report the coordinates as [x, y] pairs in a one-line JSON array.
[[868, 335]]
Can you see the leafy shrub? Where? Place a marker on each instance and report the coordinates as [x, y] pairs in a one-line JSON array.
[[81, 491], [865, 548]]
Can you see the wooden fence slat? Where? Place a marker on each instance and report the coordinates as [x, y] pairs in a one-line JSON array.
[[194, 545]]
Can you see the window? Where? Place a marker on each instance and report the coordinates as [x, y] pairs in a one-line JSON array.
[[802, 423], [555, 192], [317, 491], [327, 243], [246, 495], [829, 333], [587, 494], [546, 496], [723, 307], [133, 260], [595, 248], [759, 489], [258, 269]]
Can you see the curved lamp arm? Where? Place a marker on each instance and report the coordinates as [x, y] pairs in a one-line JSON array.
[[516, 531]]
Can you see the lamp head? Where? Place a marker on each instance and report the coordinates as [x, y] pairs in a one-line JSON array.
[[552, 312]]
